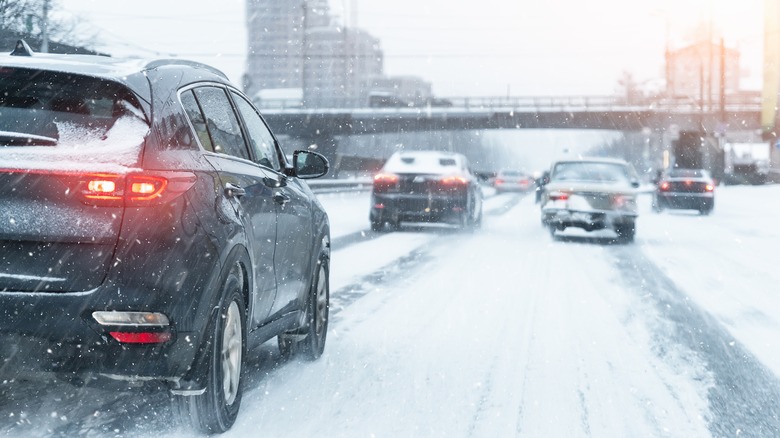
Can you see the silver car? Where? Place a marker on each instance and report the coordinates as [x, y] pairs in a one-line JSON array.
[[591, 194]]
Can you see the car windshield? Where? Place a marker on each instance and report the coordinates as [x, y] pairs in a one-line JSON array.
[[591, 172]]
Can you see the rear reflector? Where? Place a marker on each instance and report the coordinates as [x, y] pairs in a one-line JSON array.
[[142, 337]]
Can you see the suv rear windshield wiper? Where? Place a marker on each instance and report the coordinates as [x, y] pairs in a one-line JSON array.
[[8, 138]]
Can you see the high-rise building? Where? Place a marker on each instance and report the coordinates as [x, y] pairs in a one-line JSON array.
[[298, 56], [276, 36], [694, 72], [339, 65]]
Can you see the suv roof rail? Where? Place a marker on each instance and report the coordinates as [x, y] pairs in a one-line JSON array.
[[22, 49], [173, 61]]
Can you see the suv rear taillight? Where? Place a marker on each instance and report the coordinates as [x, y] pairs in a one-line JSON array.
[[665, 186], [131, 190]]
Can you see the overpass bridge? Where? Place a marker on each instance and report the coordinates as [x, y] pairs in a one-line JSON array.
[[738, 113]]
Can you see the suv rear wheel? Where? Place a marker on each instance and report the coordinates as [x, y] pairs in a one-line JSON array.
[[216, 409]]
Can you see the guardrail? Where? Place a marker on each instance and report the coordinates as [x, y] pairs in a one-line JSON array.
[[339, 185]]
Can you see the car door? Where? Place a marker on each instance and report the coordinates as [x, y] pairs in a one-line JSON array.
[[247, 186], [294, 241]]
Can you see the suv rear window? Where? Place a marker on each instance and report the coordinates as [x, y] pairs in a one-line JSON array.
[[42, 108]]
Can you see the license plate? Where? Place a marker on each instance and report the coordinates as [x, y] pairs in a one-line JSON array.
[[584, 217]]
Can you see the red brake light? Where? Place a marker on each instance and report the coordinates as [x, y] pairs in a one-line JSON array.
[[558, 196], [103, 187], [135, 189], [454, 180], [665, 185], [387, 178], [384, 182], [146, 188]]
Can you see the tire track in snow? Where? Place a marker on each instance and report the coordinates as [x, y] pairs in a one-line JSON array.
[[402, 267], [366, 235], [745, 399]]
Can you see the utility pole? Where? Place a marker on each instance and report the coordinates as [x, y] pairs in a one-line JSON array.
[[45, 27], [304, 50], [722, 106]]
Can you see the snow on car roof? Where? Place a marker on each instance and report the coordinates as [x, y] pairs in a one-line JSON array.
[[425, 162]]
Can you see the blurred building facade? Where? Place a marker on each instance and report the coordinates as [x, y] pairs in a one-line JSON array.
[[298, 52], [695, 72]]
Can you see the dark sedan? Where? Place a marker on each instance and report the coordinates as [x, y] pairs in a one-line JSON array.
[[426, 186], [151, 230], [685, 189]]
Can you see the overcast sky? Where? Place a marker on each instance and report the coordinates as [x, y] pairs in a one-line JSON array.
[[485, 47]]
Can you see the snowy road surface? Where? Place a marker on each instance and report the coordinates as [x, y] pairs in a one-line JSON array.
[[505, 332]]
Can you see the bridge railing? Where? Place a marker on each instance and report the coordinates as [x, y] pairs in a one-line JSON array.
[[737, 102]]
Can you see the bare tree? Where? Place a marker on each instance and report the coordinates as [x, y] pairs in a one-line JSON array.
[[25, 18]]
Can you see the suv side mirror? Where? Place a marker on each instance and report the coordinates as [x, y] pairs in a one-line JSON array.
[[308, 164]]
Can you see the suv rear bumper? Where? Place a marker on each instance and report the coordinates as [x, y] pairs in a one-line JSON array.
[[34, 338]]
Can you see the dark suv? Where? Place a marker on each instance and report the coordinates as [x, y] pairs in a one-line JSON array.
[[151, 229]]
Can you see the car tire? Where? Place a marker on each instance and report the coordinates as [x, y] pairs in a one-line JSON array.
[[311, 345], [216, 409], [625, 232], [478, 221], [377, 226]]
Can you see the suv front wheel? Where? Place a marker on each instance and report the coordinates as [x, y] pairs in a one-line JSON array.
[[310, 341]]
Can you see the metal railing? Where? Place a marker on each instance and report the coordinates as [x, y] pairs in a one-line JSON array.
[[738, 102]]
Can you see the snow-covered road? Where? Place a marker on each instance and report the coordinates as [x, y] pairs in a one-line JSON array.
[[505, 332]]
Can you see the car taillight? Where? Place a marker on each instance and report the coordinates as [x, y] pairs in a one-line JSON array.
[[454, 181], [558, 196], [499, 181], [665, 186], [385, 181], [455, 184], [132, 190], [709, 187]]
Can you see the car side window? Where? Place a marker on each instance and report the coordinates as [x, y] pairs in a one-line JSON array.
[[196, 118], [260, 138], [221, 122]]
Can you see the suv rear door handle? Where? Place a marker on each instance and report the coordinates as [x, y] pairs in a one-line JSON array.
[[234, 191]]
